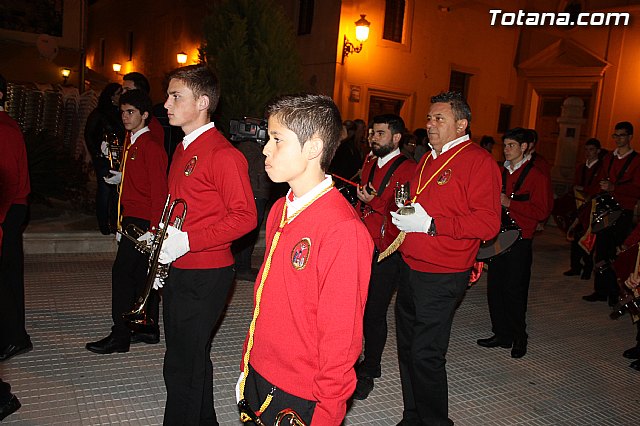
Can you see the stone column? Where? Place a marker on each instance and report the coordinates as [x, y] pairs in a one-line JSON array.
[[570, 122]]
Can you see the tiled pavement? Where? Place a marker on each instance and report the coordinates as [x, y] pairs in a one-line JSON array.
[[573, 374]]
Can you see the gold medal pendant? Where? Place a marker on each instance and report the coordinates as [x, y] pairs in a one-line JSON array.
[[191, 165]]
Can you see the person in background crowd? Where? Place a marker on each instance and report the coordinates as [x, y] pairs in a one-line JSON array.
[[135, 80], [408, 146], [619, 177], [261, 186], [377, 200], [487, 142], [313, 284], [362, 137], [104, 123], [455, 194], [211, 176], [525, 195], [587, 186], [422, 143], [143, 192], [15, 186]]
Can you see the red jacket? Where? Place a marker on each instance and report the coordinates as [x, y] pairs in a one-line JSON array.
[[464, 200], [212, 177], [535, 206], [627, 188], [588, 178], [308, 334], [144, 187], [14, 169], [376, 214]]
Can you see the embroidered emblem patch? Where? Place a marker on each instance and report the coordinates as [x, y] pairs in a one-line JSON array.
[[300, 254], [191, 165], [444, 177], [133, 153]]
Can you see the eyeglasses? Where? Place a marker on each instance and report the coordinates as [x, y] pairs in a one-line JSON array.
[[619, 135]]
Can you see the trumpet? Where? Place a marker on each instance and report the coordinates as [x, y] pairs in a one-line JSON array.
[[293, 417], [137, 318], [114, 150]]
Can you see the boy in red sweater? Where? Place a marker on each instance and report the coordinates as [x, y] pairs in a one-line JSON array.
[[306, 332], [212, 177], [525, 193], [143, 191]]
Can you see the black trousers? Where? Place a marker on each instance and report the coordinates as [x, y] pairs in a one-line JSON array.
[[607, 240], [193, 301], [12, 311], [128, 279], [256, 390], [385, 278], [508, 291], [425, 306]]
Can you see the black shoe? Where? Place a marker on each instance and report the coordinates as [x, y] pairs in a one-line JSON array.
[[247, 274], [363, 388], [594, 297], [519, 349], [494, 342], [148, 338], [586, 275], [10, 407], [108, 345], [571, 272], [13, 350], [635, 365], [632, 353]]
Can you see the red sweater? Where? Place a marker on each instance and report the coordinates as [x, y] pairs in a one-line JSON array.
[[588, 178], [376, 215], [528, 213], [464, 200], [14, 169], [308, 334], [212, 177], [157, 131], [627, 188], [144, 188]]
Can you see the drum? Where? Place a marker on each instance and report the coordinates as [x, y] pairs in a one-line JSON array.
[[629, 300], [606, 213], [564, 211], [509, 233]]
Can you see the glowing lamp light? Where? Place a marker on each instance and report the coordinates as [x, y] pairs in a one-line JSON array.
[[182, 58], [117, 67], [362, 34]]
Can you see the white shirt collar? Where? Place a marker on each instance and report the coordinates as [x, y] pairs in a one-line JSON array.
[[512, 170], [620, 157], [197, 132], [294, 204], [591, 164], [134, 136], [390, 156], [447, 146], [1, 108]]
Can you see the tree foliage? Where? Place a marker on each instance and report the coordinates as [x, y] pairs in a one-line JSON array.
[[251, 45]]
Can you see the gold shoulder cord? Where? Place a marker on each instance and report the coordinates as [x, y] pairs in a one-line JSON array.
[[123, 166], [256, 311], [400, 238]]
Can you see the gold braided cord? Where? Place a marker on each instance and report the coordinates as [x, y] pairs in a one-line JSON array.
[[256, 311], [123, 166], [401, 236]]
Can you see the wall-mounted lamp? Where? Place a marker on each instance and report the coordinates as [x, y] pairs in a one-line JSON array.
[[117, 67], [182, 58], [66, 72], [362, 34]]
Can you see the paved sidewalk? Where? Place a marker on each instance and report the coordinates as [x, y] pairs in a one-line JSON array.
[[573, 373]]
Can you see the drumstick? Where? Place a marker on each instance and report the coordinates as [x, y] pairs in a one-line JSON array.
[[345, 180]]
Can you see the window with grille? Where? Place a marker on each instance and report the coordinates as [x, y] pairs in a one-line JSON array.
[[459, 82]]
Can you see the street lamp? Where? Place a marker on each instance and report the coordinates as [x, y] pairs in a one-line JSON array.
[[117, 67], [182, 58], [66, 72], [362, 34]]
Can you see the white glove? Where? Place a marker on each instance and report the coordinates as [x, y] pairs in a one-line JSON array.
[[158, 283], [420, 221], [238, 386], [176, 244], [146, 238], [118, 236], [115, 178], [104, 148]]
